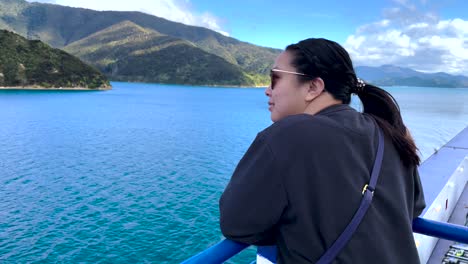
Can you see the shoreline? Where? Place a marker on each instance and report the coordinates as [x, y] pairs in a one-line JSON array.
[[242, 86], [53, 88], [226, 86], [197, 85]]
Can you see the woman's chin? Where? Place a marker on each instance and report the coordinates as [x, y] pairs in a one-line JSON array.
[[274, 118]]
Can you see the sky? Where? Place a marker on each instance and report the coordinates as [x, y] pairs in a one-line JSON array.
[[425, 35]]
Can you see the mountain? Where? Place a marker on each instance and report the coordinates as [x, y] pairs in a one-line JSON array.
[[60, 26], [133, 46], [389, 75], [32, 63], [128, 52]]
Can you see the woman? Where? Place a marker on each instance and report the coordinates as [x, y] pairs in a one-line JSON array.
[[301, 181]]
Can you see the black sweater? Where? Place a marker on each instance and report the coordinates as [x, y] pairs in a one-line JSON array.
[[300, 183]]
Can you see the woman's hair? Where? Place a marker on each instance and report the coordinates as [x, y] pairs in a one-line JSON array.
[[331, 62]]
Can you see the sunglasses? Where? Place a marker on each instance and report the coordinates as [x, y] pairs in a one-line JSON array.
[[273, 76]]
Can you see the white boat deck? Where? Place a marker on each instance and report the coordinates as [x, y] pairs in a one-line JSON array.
[[444, 177], [459, 217]]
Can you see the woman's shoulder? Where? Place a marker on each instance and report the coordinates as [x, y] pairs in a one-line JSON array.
[[321, 127], [294, 125]]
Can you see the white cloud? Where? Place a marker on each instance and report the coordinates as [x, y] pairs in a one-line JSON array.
[[174, 10], [374, 27], [458, 25], [405, 3], [419, 25], [355, 42], [421, 41]]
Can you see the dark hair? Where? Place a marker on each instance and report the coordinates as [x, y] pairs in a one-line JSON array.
[[331, 62]]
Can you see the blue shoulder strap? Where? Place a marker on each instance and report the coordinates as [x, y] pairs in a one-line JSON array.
[[367, 192]]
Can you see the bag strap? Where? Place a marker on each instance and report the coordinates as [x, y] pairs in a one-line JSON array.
[[368, 192]]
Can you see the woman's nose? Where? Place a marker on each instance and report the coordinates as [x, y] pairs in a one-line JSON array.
[[268, 90]]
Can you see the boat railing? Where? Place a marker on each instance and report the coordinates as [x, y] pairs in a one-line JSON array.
[[227, 249]]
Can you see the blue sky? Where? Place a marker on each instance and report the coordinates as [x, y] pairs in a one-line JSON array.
[[425, 35]]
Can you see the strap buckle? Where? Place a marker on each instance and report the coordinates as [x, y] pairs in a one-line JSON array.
[[367, 188]]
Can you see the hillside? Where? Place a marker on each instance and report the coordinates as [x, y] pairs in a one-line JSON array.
[[60, 26], [128, 52], [32, 63]]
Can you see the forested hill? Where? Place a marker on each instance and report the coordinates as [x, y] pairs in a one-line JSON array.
[[32, 63], [128, 52], [68, 28]]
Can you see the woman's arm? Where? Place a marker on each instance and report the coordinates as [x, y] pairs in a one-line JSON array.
[[253, 201]]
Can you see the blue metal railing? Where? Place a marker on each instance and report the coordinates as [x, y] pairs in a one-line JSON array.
[[218, 253], [442, 230], [226, 249]]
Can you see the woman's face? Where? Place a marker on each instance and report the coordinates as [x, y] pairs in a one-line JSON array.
[[286, 94]]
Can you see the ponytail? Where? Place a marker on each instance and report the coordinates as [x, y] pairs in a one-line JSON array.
[[381, 105]]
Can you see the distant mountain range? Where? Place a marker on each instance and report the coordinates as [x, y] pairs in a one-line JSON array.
[[389, 75], [133, 46], [32, 63]]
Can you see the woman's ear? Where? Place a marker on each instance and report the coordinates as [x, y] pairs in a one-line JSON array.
[[316, 87]]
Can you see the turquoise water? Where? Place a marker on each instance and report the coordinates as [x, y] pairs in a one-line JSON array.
[[133, 175]]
